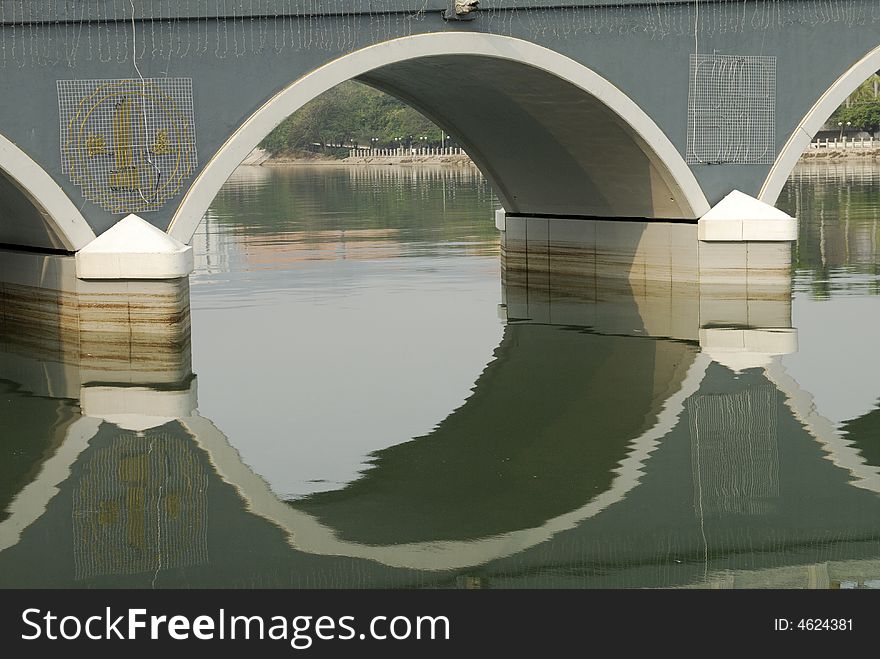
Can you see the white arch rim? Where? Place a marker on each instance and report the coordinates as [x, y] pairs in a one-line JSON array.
[[837, 448], [249, 135], [69, 224], [307, 534], [813, 121]]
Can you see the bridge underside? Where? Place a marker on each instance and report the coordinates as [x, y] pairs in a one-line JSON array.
[[547, 146], [22, 221]]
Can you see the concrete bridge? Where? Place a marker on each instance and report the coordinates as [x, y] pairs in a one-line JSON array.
[[613, 109]]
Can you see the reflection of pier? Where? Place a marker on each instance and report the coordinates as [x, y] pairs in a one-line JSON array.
[[140, 506], [649, 279], [600, 447]]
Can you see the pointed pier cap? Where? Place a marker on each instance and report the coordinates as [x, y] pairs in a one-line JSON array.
[[740, 218], [134, 249]]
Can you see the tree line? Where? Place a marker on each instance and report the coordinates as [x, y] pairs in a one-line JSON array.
[[861, 110], [353, 114]]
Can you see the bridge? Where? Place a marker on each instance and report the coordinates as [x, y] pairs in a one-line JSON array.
[[121, 120]]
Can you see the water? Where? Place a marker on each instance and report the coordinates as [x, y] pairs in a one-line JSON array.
[[375, 410]]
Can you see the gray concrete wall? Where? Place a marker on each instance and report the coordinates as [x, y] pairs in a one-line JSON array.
[[642, 49]]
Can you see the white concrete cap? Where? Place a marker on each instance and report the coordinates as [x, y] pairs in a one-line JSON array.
[[740, 218], [740, 349], [137, 408], [501, 219], [134, 249]]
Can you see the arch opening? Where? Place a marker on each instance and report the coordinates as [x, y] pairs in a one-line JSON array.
[[552, 136], [34, 210], [823, 109]]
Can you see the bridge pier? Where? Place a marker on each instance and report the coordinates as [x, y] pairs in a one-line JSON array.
[[724, 282], [114, 330], [740, 244], [125, 295], [121, 302]]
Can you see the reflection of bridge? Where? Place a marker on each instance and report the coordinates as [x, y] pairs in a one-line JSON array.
[[628, 109], [605, 451]]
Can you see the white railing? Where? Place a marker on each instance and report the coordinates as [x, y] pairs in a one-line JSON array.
[[402, 152], [846, 143]]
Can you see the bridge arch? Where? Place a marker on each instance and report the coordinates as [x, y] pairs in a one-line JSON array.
[[813, 121], [519, 109], [51, 220]]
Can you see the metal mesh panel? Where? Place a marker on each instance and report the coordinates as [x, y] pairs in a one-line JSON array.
[[140, 506], [732, 110], [128, 144], [734, 452]]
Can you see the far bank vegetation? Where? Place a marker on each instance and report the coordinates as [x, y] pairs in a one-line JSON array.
[[349, 116]]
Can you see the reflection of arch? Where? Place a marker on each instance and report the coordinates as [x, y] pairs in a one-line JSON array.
[[840, 450], [30, 504], [430, 70], [845, 85], [66, 226], [865, 437], [307, 534]]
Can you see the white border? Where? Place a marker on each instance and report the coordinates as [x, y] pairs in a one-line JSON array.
[[31, 502], [837, 447], [215, 173], [307, 534], [60, 212]]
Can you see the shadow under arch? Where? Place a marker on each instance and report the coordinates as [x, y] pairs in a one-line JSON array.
[[552, 135], [813, 121], [35, 211]]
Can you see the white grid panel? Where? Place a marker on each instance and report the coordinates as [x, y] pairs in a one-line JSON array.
[[732, 110], [129, 144], [734, 451], [140, 505]]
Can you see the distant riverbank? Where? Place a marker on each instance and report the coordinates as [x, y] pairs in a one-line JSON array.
[[261, 157], [836, 154], [448, 161]]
